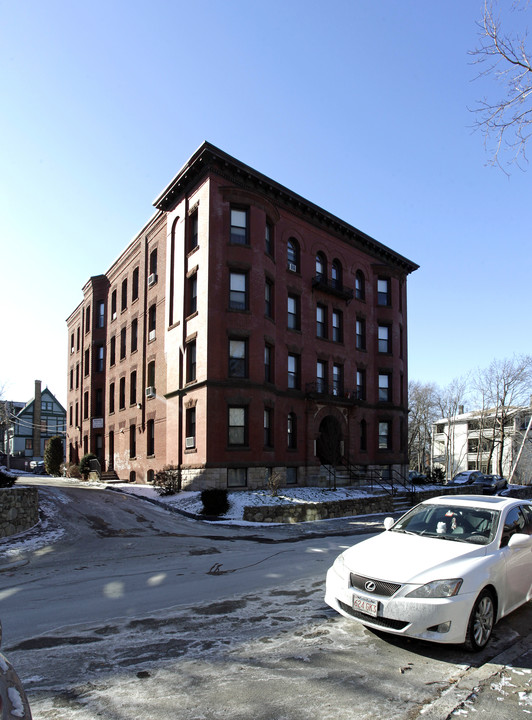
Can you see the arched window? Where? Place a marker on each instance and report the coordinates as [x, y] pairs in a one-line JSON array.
[[336, 274], [293, 254], [321, 265], [360, 286]]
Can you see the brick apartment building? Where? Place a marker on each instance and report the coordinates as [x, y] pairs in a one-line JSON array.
[[243, 331]]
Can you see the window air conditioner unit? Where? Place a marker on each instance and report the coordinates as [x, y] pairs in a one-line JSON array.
[[190, 442], [152, 279], [150, 392], [151, 335], [292, 267]]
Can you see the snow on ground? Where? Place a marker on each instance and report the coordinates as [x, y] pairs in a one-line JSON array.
[[190, 501]]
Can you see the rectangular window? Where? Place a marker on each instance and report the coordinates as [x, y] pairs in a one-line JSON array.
[[113, 305], [293, 371], [291, 476], [98, 398], [384, 436], [151, 374], [152, 322], [99, 358], [268, 239], [238, 293], [191, 361], [237, 477], [193, 230], [87, 361], [237, 426], [337, 326], [135, 285], [111, 398], [112, 351], [361, 384], [134, 335], [122, 394], [77, 339], [192, 294], [268, 363], [338, 380], [238, 365], [132, 441], [124, 294], [321, 376], [321, 321], [190, 424], [292, 431], [101, 314], [85, 404], [77, 376], [268, 430], [87, 318], [72, 379], [268, 299], [153, 262], [384, 339], [385, 387], [122, 343], [293, 312], [360, 334], [383, 291], [133, 388], [29, 444], [239, 227], [150, 438]]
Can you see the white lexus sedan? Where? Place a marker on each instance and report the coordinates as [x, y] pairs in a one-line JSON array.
[[446, 571]]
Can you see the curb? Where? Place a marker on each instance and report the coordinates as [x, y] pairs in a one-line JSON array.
[[456, 695]]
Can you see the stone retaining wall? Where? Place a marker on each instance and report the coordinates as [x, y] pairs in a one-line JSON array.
[[303, 512], [19, 510]]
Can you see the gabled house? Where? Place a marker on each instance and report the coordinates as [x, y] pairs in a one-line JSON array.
[[34, 424]]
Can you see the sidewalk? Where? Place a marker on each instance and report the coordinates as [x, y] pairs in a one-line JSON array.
[[499, 689]]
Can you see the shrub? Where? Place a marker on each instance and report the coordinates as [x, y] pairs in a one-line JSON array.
[[6, 480], [167, 481], [274, 483], [214, 501], [53, 455], [70, 470], [437, 475], [85, 464]]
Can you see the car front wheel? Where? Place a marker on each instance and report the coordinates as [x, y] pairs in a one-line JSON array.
[[481, 622]]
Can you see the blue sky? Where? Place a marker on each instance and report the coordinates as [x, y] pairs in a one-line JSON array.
[[359, 106]]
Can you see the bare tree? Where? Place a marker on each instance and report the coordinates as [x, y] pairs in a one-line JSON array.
[[506, 385], [422, 412], [502, 54], [450, 401]]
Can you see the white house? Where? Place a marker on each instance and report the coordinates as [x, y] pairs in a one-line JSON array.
[[475, 441]]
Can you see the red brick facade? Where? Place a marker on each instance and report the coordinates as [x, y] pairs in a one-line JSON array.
[[244, 331]]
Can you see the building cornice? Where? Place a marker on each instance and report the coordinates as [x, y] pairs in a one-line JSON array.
[[210, 159]]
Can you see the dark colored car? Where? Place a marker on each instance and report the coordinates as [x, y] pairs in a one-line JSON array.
[[467, 477], [491, 484]]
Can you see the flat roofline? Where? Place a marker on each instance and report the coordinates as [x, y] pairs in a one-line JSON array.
[[209, 157]]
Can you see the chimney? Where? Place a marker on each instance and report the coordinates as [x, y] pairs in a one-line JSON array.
[[460, 409], [37, 420]]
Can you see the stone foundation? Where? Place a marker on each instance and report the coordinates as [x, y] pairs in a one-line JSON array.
[[19, 510]]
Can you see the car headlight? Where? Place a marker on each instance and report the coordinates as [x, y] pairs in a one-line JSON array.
[[339, 563], [437, 589]]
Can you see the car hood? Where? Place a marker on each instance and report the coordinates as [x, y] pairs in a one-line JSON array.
[[402, 558]]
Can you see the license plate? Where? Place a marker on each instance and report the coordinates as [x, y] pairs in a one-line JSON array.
[[368, 607]]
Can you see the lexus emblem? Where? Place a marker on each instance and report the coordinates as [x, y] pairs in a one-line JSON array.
[[370, 586]]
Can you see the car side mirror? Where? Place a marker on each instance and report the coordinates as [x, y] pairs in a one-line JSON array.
[[388, 523], [520, 540]]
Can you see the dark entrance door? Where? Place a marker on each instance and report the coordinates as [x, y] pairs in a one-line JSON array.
[[329, 439]]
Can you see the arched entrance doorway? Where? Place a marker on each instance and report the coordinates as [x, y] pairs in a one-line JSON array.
[[328, 446]]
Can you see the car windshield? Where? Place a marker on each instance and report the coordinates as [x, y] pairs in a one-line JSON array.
[[450, 522], [461, 478]]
